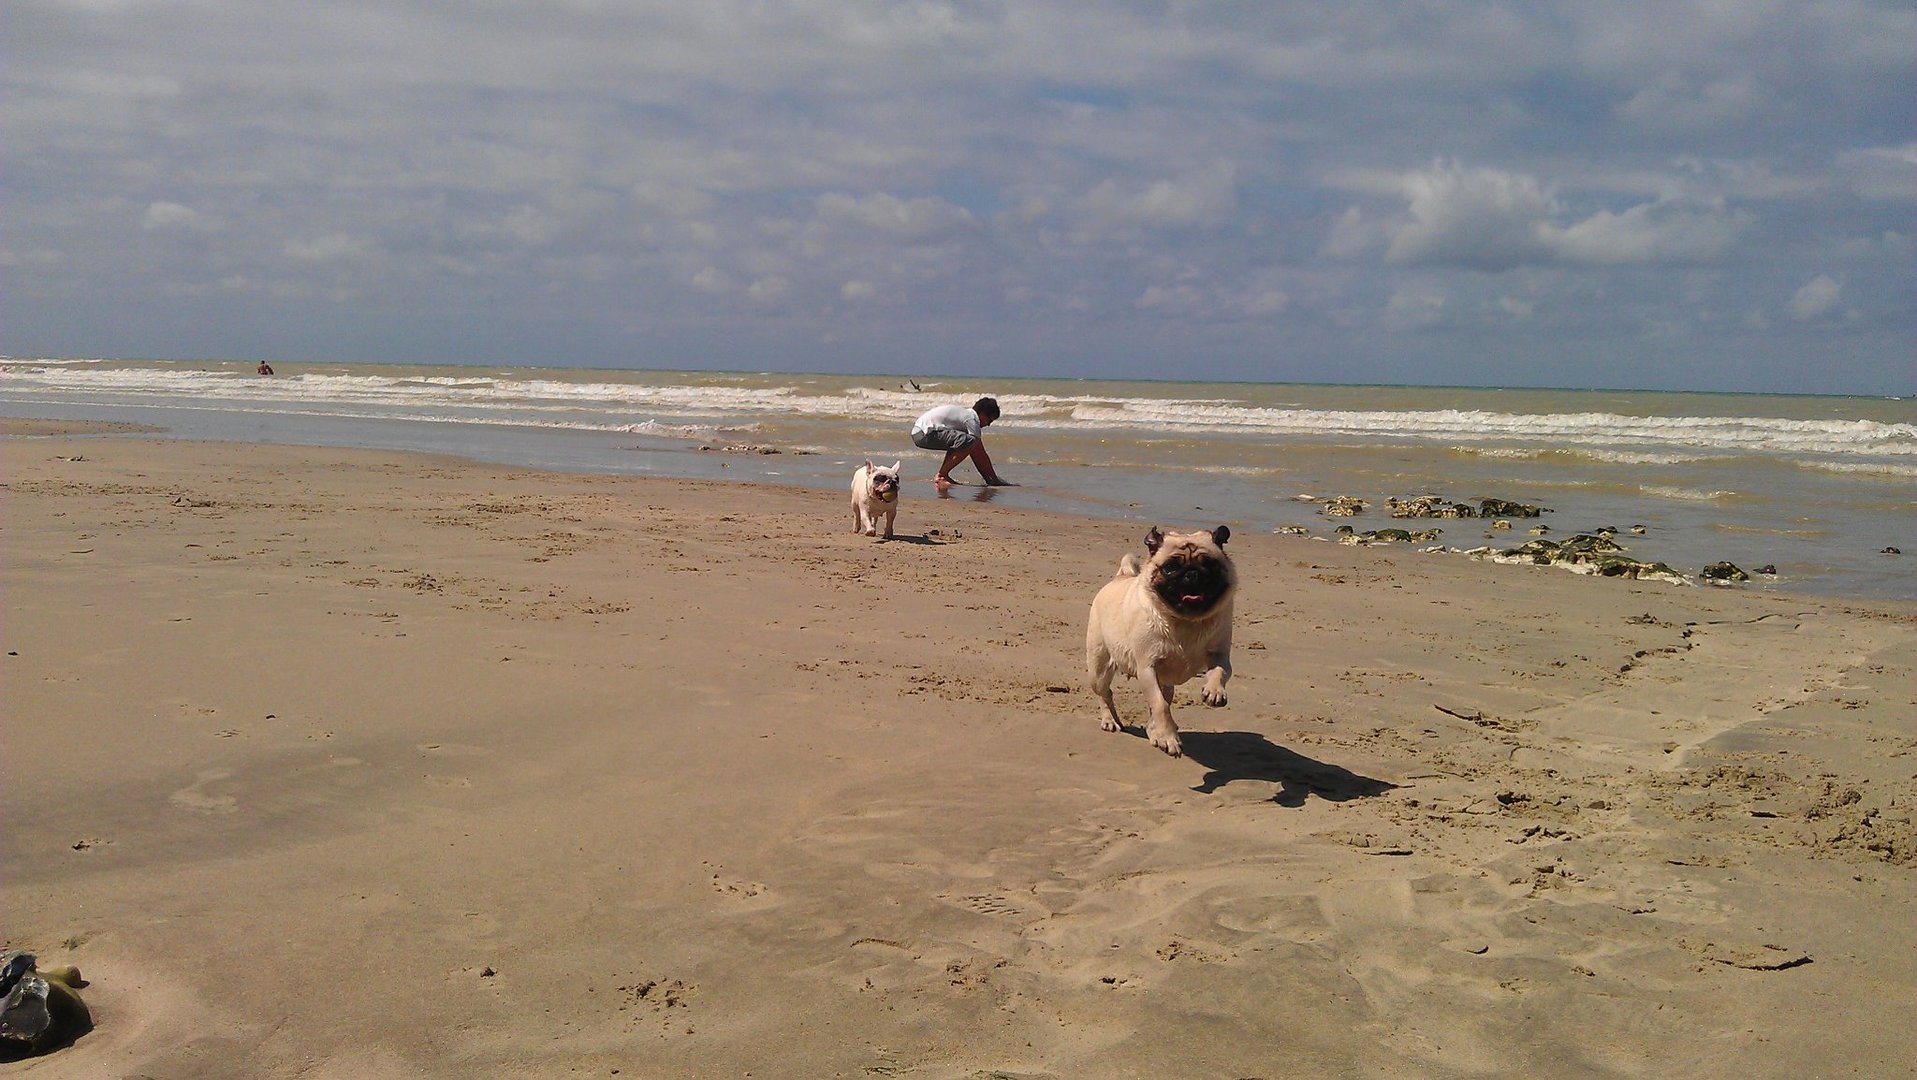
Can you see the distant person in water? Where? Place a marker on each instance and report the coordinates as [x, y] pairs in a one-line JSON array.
[[959, 432], [266, 368]]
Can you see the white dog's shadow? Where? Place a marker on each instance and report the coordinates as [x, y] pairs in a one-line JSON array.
[[1247, 755]]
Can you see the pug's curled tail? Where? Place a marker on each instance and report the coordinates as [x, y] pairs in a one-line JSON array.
[[1127, 567]]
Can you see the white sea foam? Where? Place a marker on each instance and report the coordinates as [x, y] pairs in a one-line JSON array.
[[1886, 469], [716, 400], [1690, 494], [1609, 430], [1597, 454]]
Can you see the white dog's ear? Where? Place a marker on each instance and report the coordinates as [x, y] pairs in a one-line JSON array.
[[868, 465], [896, 464], [1153, 539]]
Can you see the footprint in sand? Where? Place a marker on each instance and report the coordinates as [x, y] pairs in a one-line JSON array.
[[453, 750], [990, 904], [736, 888], [198, 797]]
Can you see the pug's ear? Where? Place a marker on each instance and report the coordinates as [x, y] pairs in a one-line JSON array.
[[1153, 539], [1220, 535]]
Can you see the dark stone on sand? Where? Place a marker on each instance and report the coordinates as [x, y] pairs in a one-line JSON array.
[[1584, 546], [1767, 570], [1347, 535], [1892, 551], [1343, 506], [1626, 567], [1429, 506], [1501, 508], [1723, 571]]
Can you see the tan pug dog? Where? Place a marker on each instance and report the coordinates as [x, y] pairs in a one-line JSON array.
[[875, 493], [1163, 622]]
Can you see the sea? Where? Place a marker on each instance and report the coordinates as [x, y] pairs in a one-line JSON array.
[[1822, 489]]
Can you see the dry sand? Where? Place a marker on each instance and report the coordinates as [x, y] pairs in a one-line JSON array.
[[334, 764]]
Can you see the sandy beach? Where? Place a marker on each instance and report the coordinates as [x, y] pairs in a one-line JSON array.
[[332, 764]]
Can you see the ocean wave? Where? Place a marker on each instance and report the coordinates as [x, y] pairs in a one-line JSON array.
[[1762, 530], [1886, 469], [717, 399], [1601, 430], [1597, 454], [1662, 491]]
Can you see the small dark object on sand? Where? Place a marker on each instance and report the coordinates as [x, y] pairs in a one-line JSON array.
[[40, 1010]]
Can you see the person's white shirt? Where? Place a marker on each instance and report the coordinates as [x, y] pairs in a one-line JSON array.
[[948, 418]]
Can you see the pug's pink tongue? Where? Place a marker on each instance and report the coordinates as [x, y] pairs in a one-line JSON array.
[[1193, 598]]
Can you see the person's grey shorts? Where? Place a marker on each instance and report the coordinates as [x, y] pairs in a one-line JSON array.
[[943, 439]]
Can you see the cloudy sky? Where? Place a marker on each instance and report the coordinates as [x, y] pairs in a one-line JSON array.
[[1708, 195]]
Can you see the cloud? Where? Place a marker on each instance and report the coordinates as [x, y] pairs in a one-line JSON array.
[[1493, 221], [769, 290], [1061, 179], [915, 220], [713, 281], [1646, 233], [331, 248], [1674, 103], [1414, 309], [1482, 219], [1203, 198], [1817, 297], [161, 216], [1353, 236], [1881, 172]]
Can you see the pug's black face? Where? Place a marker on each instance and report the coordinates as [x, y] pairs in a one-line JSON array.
[[1191, 573]]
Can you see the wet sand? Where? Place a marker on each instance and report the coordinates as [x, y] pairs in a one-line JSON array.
[[324, 763]]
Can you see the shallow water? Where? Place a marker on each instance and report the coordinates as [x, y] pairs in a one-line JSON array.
[[1817, 486]]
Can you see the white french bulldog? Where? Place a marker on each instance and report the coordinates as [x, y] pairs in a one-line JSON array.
[[875, 492]]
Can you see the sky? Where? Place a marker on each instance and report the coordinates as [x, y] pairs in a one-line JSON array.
[[1676, 195]]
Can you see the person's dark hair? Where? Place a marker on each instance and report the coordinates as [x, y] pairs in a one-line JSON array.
[[986, 407]]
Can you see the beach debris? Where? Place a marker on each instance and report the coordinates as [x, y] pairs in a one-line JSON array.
[[743, 448], [1350, 536], [1292, 530], [1439, 507], [1637, 530], [1764, 957], [1500, 524], [1343, 506], [1891, 551], [1722, 572], [1585, 553], [1429, 506], [1768, 570], [1501, 508], [40, 1010]]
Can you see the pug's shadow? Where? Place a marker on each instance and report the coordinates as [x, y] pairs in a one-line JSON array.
[[922, 540], [1247, 755]]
